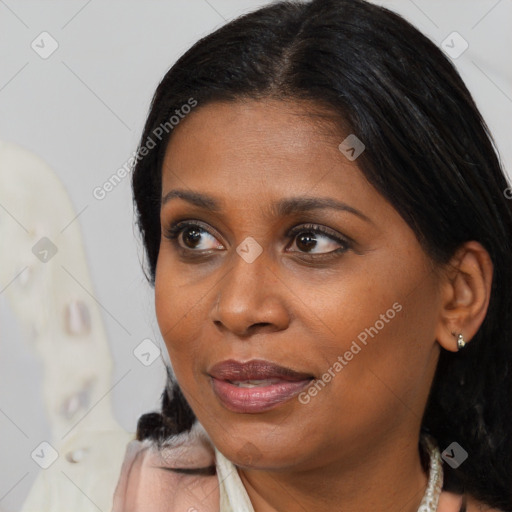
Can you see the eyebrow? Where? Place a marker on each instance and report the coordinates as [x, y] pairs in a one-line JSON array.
[[283, 207]]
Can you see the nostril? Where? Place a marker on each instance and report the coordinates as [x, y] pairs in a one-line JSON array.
[[255, 327]]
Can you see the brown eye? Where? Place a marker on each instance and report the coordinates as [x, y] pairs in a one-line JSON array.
[[312, 239], [190, 236], [306, 241]]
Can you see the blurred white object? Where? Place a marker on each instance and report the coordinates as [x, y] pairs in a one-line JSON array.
[[50, 291]]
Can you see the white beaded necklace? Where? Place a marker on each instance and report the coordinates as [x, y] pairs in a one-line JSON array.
[[435, 476]]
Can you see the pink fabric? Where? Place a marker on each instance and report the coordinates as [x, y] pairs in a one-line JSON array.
[[144, 486]]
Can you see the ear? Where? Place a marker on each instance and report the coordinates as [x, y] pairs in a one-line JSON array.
[[465, 291]]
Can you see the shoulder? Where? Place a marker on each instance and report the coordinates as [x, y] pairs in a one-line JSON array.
[[477, 506], [450, 502], [179, 476]]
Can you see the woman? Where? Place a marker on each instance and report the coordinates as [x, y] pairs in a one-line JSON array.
[[326, 229]]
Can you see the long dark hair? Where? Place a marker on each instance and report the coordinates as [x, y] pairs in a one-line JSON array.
[[428, 152]]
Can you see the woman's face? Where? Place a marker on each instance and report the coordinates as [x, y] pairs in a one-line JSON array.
[[352, 309]]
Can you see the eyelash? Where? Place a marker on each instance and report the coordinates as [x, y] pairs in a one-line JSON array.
[[174, 231]]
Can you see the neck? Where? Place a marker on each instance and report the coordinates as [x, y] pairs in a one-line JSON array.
[[388, 478]]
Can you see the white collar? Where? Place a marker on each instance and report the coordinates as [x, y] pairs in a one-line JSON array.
[[233, 495]]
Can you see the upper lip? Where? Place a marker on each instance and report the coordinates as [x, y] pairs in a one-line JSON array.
[[256, 369]]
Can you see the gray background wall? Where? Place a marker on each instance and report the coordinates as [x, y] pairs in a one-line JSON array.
[[82, 110]]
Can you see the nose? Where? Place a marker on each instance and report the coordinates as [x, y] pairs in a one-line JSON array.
[[250, 298]]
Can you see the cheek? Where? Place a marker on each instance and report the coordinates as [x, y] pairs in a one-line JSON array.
[[385, 340], [167, 307], [177, 311]]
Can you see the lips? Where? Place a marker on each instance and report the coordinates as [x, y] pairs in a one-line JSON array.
[[255, 386], [256, 369]]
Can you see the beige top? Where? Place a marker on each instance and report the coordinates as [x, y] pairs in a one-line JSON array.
[[144, 484], [233, 495], [154, 480]]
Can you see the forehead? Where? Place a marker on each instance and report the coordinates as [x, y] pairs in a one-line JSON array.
[[256, 150]]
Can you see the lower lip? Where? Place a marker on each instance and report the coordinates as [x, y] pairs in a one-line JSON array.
[[258, 398]]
